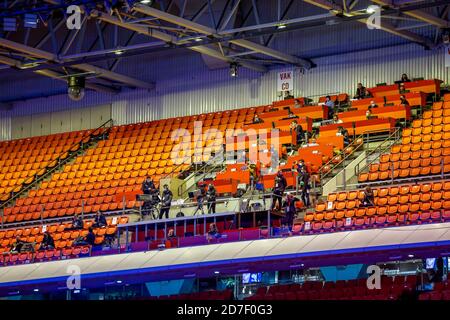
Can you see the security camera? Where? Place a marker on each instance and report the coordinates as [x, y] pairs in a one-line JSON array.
[[75, 89]]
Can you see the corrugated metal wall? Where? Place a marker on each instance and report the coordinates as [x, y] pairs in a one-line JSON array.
[[213, 90]]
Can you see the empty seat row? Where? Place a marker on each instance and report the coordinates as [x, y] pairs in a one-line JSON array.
[[346, 210], [404, 173]]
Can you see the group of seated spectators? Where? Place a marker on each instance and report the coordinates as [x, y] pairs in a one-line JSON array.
[[48, 243]]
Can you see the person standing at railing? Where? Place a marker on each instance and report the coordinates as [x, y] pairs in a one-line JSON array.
[[304, 186], [290, 210], [297, 168], [200, 199], [166, 202], [211, 199], [278, 190]]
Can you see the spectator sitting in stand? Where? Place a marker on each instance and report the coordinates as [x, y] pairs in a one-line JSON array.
[[47, 242], [361, 92], [290, 115], [369, 198], [213, 231], [88, 240], [369, 114], [257, 119], [299, 133], [373, 104], [77, 223], [404, 78], [148, 186], [18, 245], [100, 220], [402, 89], [336, 119], [288, 95], [344, 133], [171, 234], [403, 101]]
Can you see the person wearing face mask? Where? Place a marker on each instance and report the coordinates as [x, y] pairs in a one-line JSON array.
[[166, 201]]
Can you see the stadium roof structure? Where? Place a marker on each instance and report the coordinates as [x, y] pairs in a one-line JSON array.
[[241, 32]]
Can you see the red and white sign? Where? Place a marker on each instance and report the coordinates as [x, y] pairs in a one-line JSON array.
[[285, 81]]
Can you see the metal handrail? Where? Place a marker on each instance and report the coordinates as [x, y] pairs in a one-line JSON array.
[[209, 162], [346, 156], [380, 149], [60, 162]]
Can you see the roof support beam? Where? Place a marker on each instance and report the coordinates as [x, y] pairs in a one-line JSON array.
[[230, 14], [85, 67], [55, 75], [211, 32], [417, 14], [327, 5], [172, 40]]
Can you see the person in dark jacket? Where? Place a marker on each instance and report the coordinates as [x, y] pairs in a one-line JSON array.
[[47, 242], [361, 92], [77, 223], [257, 119], [148, 186], [211, 199], [201, 194], [403, 101], [369, 198], [100, 220], [166, 201], [18, 245], [344, 133], [278, 190], [304, 186], [90, 237], [299, 132], [289, 209], [404, 78]]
